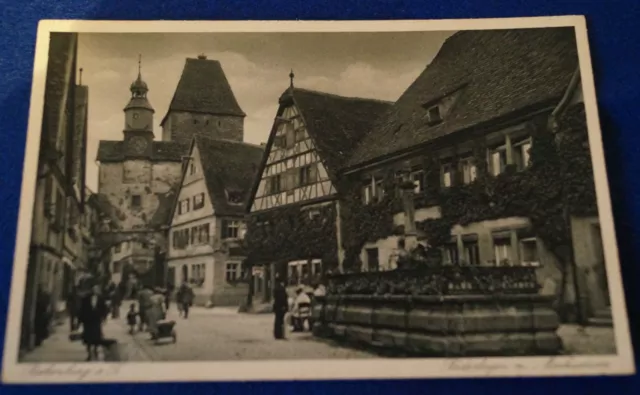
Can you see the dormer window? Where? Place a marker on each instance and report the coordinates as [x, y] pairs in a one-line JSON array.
[[434, 115], [235, 197]]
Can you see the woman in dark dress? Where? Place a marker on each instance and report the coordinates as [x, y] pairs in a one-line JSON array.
[[93, 312]]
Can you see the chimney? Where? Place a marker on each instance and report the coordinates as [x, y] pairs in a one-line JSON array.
[[202, 56]]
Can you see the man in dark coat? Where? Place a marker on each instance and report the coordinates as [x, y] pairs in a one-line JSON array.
[[93, 312], [185, 298], [280, 308]]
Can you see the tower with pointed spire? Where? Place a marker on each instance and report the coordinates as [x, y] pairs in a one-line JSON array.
[[203, 105], [138, 128]]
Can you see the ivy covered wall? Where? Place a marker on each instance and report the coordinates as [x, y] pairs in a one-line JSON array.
[[291, 233], [557, 184]]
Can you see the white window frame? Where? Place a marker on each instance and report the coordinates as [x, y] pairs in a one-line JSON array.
[[232, 224], [523, 148], [497, 153], [521, 243], [467, 252], [418, 179], [502, 247], [236, 271], [448, 250], [469, 170], [446, 175], [198, 201]]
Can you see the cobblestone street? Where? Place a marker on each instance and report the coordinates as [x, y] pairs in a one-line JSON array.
[[224, 334]]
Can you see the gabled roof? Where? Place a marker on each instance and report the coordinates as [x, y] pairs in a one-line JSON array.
[[494, 73], [204, 88], [336, 123], [228, 166], [162, 151]]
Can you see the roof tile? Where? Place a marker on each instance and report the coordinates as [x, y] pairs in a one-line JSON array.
[[204, 88], [495, 73]]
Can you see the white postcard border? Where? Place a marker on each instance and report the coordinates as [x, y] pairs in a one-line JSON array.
[[14, 372]]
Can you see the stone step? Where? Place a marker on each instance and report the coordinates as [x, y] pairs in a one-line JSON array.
[[601, 322]]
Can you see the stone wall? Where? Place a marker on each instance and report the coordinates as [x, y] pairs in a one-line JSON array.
[[182, 126], [442, 326], [441, 311]]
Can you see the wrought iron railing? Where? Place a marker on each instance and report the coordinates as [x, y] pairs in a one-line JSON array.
[[443, 280]]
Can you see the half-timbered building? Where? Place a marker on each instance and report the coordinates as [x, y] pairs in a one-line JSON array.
[[294, 210]]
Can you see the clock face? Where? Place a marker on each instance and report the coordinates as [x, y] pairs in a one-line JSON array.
[[136, 115], [138, 144]]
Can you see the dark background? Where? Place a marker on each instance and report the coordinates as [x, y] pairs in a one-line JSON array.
[[614, 36]]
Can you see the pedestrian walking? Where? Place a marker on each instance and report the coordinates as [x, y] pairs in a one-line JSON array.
[[280, 308], [132, 318], [93, 312], [155, 313], [144, 303], [116, 300], [185, 298]]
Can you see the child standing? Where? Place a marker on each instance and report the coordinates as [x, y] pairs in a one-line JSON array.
[[132, 318]]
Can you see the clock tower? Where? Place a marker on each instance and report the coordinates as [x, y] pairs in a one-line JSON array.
[[138, 127]]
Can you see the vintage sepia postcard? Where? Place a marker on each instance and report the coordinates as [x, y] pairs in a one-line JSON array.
[[216, 201]]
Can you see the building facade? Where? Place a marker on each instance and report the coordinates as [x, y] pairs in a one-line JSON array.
[[140, 177], [492, 183], [208, 222], [483, 161], [294, 227], [137, 180], [56, 250]]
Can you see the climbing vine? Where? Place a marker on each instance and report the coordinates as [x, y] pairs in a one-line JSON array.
[[290, 233], [558, 183]]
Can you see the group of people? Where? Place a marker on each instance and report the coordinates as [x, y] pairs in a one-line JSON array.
[[89, 307], [299, 307], [153, 304]]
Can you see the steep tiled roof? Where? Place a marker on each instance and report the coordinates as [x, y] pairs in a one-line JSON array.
[[228, 166], [113, 151], [60, 74], [336, 123], [204, 88], [494, 73]]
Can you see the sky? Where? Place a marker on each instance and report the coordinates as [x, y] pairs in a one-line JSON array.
[[369, 65]]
